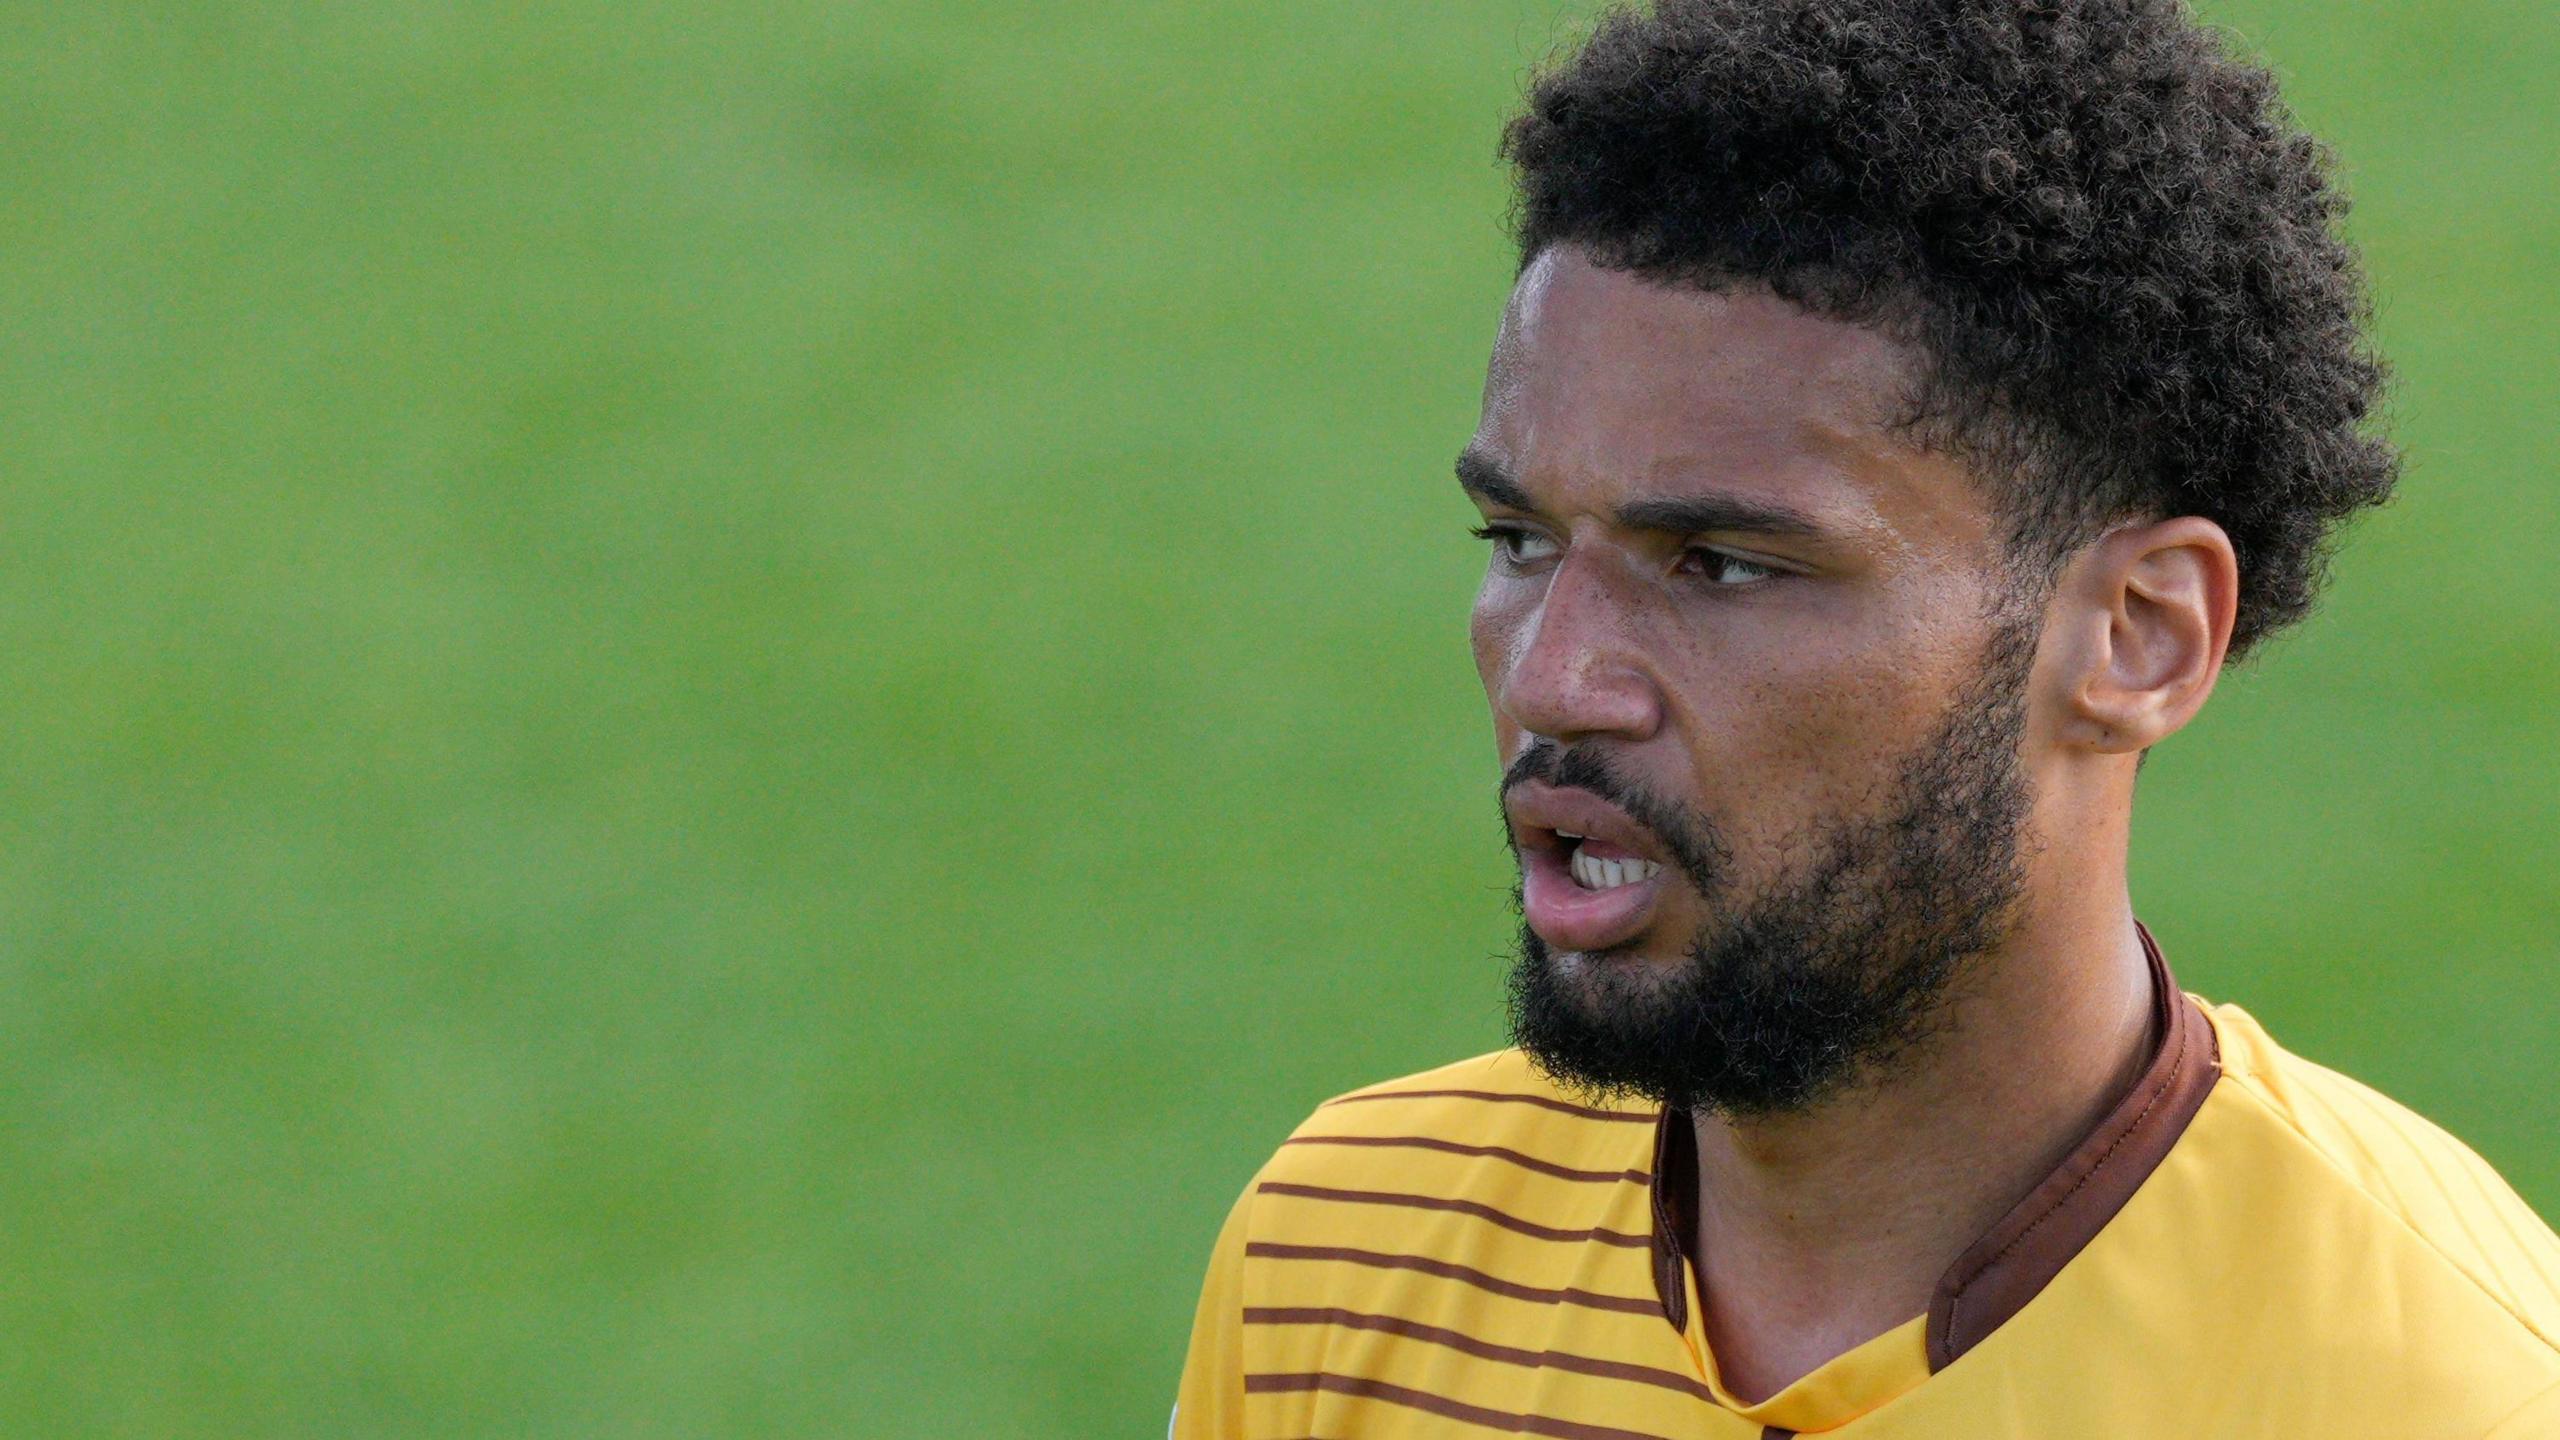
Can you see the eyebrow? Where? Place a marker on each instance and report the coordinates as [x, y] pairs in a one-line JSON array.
[[1484, 478]]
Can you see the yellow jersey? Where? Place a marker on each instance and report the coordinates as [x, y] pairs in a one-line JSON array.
[[2249, 1245]]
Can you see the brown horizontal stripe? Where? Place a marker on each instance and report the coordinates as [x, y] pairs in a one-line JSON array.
[[1512, 1223], [1481, 1349], [1498, 1152], [1500, 1097], [1441, 1406], [1423, 1264]]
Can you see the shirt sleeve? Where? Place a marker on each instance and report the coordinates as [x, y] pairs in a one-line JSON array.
[[1209, 1405]]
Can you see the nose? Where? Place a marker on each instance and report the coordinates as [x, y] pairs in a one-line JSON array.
[[1575, 667]]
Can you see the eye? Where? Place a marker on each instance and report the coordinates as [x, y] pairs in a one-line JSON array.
[[1515, 545], [1723, 568]]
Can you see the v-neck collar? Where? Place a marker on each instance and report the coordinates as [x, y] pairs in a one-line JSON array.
[[2000, 1272]]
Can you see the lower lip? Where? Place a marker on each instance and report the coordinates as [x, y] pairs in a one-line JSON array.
[[1569, 917]]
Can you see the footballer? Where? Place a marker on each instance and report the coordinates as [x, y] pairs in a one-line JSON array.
[[1904, 411]]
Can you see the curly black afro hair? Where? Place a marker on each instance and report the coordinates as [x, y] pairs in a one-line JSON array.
[[2115, 253]]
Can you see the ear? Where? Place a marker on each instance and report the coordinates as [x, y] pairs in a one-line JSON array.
[[2149, 620]]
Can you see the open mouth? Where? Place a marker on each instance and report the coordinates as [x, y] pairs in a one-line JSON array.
[[1590, 874], [1599, 865]]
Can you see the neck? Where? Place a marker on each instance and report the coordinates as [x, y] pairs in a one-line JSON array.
[[1820, 1230]]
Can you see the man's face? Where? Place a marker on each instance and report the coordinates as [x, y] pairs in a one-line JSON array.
[[1757, 671]]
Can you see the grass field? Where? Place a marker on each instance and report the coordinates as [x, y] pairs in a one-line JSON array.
[[712, 712]]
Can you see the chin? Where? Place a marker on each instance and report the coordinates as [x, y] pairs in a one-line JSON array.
[[1587, 972], [1613, 990]]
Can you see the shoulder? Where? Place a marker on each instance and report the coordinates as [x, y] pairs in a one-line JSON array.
[[2426, 1189], [1493, 1091], [1469, 1231], [1470, 1155], [1494, 1108]]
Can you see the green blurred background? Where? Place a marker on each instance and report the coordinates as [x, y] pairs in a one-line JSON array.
[[710, 713]]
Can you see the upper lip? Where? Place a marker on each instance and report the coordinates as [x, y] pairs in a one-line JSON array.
[[1538, 811]]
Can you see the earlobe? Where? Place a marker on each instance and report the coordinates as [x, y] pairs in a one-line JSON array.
[[2158, 603]]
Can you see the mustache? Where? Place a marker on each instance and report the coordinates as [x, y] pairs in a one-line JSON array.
[[1690, 837]]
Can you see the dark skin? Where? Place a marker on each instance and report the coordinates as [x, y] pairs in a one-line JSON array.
[[1719, 561]]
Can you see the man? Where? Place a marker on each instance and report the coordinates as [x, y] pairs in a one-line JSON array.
[[1905, 409]]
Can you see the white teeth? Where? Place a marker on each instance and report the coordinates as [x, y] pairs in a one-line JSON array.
[[1593, 874]]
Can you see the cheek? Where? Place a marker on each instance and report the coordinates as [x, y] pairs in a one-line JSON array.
[[1793, 736], [1502, 616], [1491, 626]]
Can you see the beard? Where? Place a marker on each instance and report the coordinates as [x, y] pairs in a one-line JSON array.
[[1830, 970]]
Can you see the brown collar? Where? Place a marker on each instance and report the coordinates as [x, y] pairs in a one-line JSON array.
[[2016, 1258]]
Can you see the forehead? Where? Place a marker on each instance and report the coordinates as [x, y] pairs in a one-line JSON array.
[[1605, 379]]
